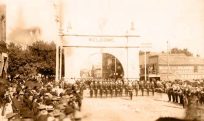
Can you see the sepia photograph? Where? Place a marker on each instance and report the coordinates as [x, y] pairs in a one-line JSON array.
[[101, 60]]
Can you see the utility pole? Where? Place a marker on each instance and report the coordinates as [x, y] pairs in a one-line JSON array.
[[167, 60], [145, 61], [115, 68]]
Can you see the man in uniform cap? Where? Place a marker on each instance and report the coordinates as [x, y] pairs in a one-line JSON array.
[[142, 87], [91, 89], [111, 89], [95, 89], [137, 87], [147, 87]]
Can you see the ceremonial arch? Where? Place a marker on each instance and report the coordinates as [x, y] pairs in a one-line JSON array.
[[79, 48]]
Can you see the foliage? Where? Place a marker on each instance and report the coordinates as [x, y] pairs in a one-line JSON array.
[[44, 55], [3, 47], [16, 59], [181, 51], [39, 58]]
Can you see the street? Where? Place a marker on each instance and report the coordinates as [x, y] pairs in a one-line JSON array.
[[146, 108]]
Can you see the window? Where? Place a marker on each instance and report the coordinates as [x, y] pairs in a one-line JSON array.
[[196, 68]]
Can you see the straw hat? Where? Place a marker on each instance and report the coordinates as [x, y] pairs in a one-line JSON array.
[[10, 115], [49, 108], [68, 110]]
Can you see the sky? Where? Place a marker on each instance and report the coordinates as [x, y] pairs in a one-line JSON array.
[[180, 22]]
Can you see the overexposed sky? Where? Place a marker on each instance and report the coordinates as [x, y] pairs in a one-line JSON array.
[[181, 22]]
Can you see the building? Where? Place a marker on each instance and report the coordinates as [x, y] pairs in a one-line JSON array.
[[173, 66], [96, 71], [3, 47], [111, 67]]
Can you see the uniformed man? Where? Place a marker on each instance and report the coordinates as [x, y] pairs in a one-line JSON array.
[[169, 91], [106, 89], [152, 87], [175, 93], [120, 89], [134, 85], [91, 89], [148, 87], [126, 88], [142, 87], [101, 90], [111, 89], [130, 91], [116, 89], [137, 87], [95, 89]]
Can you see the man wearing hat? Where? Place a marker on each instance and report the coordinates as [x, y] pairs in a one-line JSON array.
[[12, 116], [42, 113], [68, 113], [77, 116], [47, 99], [58, 116], [50, 115]]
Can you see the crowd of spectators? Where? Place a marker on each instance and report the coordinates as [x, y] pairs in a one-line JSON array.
[[36, 100]]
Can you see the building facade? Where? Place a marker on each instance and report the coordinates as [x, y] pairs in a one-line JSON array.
[[173, 66]]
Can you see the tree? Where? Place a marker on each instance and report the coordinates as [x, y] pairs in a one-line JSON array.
[[44, 57], [39, 58], [181, 51], [16, 60], [3, 47]]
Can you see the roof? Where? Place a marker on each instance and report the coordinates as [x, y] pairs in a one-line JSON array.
[[178, 59]]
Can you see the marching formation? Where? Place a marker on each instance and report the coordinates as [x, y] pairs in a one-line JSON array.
[[37, 101], [100, 88]]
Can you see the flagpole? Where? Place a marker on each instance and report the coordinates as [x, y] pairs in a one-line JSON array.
[[59, 46], [61, 37]]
